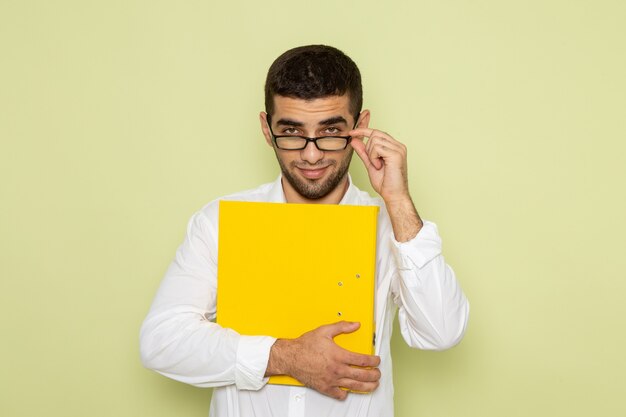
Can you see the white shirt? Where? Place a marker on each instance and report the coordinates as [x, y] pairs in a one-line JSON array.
[[180, 340]]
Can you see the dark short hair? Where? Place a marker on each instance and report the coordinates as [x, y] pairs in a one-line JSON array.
[[314, 71]]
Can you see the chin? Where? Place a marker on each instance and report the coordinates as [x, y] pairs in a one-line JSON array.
[[314, 189]]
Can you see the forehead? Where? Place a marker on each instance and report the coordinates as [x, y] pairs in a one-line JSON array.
[[311, 110]]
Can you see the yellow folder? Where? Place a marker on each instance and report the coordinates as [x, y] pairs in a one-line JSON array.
[[285, 269]]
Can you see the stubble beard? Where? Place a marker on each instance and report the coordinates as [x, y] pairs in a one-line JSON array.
[[315, 189]]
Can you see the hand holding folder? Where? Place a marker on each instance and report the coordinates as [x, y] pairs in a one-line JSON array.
[[319, 363]]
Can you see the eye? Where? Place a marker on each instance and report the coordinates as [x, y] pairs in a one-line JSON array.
[[332, 130], [290, 131]]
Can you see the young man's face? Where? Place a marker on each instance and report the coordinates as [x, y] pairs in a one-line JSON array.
[[310, 172]]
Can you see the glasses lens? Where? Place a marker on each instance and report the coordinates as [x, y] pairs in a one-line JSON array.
[[328, 143], [332, 143], [290, 143]]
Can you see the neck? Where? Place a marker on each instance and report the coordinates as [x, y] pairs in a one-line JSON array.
[[334, 197]]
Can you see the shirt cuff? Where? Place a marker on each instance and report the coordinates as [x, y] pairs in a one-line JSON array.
[[420, 250], [253, 353]]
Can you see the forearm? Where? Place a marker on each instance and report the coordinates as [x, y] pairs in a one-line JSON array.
[[405, 220], [433, 311], [181, 344], [280, 358], [433, 315]]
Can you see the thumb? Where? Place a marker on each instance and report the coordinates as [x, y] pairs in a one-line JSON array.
[[343, 327], [359, 147]]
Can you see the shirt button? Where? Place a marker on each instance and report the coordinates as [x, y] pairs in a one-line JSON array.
[[298, 397]]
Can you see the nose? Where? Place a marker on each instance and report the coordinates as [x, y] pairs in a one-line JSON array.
[[311, 154]]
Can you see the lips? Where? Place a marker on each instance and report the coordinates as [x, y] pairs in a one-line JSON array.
[[313, 173]]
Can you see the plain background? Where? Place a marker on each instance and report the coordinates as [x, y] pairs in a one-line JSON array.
[[120, 119]]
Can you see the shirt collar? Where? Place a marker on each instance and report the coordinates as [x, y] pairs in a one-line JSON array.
[[277, 195]]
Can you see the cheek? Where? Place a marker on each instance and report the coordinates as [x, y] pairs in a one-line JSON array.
[[285, 158], [345, 158]]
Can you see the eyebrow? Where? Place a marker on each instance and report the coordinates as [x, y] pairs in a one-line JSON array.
[[289, 122], [333, 121], [326, 122]]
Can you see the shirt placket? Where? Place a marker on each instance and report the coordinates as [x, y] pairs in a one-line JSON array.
[[297, 400]]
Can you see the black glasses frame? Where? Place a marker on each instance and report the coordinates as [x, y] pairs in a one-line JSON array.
[[348, 139]]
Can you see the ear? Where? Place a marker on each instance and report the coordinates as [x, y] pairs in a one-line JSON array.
[[265, 128], [364, 119]]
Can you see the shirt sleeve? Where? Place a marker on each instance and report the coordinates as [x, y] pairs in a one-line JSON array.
[[179, 337], [432, 310]]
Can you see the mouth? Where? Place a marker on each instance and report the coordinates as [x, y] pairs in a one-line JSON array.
[[313, 174]]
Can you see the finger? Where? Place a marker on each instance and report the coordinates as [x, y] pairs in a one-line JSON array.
[[376, 137], [341, 327], [381, 138], [379, 151], [337, 393], [373, 156], [358, 386], [383, 153], [371, 133], [386, 141], [359, 148], [361, 132], [363, 374], [359, 359]]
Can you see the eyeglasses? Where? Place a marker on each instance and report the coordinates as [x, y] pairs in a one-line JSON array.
[[297, 143]]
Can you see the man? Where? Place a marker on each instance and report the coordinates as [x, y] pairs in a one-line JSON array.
[[314, 122]]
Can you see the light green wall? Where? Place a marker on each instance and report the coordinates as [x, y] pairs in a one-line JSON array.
[[119, 119]]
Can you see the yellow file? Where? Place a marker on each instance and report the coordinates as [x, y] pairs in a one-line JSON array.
[[285, 269]]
